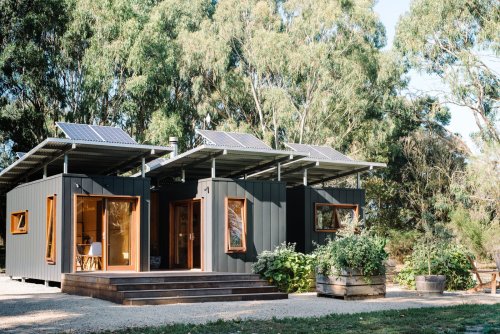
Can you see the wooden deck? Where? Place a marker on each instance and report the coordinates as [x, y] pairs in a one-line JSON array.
[[169, 287]]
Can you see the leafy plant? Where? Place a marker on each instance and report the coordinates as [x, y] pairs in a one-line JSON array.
[[362, 251], [289, 270], [400, 243], [446, 259]]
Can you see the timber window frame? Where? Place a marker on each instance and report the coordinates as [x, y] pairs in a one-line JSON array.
[[242, 247], [336, 224], [50, 230], [19, 222]]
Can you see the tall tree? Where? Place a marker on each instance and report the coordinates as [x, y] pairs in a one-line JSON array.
[[454, 39]]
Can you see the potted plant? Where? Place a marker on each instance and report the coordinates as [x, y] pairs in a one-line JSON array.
[[351, 266]]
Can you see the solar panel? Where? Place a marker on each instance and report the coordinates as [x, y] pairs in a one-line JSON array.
[[219, 138], [113, 135], [96, 133], [319, 152], [249, 140], [79, 132]]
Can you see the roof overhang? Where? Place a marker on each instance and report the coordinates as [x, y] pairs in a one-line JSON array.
[[84, 157], [229, 162], [318, 171]]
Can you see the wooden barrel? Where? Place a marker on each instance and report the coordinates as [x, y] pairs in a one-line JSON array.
[[430, 284]]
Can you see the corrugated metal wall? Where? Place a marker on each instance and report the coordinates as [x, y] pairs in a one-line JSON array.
[[25, 253], [106, 185], [266, 223], [300, 212]]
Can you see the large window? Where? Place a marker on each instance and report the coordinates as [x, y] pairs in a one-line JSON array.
[[236, 225], [50, 232], [19, 222], [330, 217]]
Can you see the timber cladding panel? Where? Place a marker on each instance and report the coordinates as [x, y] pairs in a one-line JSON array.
[[107, 186], [25, 256], [300, 212]]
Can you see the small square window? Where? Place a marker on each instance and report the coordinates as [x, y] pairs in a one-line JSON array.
[[330, 217], [236, 225], [19, 222]]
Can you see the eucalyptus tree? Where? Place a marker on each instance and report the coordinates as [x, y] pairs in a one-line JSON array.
[[458, 40]]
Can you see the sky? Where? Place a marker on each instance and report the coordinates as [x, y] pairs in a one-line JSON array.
[[462, 120]]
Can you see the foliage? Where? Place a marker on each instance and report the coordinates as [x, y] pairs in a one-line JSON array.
[[362, 251], [289, 270], [400, 243], [451, 319], [445, 259], [475, 217], [454, 39]]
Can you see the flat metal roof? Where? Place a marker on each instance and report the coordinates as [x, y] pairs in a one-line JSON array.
[[84, 157], [232, 162]]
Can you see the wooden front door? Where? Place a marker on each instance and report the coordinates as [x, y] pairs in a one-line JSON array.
[[185, 234]]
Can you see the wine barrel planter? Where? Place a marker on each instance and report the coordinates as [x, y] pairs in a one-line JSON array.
[[350, 285], [430, 284]]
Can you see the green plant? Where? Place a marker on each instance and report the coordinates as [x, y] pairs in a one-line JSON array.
[[289, 270], [400, 243], [363, 252], [446, 259]]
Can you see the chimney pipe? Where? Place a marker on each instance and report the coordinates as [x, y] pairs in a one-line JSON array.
[[173, 142]]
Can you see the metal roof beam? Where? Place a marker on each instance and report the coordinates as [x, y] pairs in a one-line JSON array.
[[122, 165], [47, 161], [301, 168], [259, 167], [195, 163], [339, 175]]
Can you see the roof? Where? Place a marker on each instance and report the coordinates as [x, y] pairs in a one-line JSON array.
[[85, 157], [323, 164], [231, 161]]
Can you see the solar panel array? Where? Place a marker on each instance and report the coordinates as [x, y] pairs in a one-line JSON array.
[[319, 152], [104, 134], [231, 139]]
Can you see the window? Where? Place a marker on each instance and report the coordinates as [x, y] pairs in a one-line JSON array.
[[236, 225], [50, 232], [19, 222], [330, 217]]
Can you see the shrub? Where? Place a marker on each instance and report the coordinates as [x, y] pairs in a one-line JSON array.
[[400, 244], [447, 259], [362, 251], [289, 270]]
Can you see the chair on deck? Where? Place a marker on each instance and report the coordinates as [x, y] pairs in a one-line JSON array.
[[495, 273], [95, 255]]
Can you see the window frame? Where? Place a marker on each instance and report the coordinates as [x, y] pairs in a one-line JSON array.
[[15, 229], [228, 247], [51, 202], [354, 207]]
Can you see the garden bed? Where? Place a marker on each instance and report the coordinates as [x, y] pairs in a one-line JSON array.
[[350, 285]]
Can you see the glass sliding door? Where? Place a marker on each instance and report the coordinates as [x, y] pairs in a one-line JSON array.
[[106, 233], [119, 220]]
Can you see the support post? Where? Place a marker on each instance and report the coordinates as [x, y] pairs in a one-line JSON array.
[[183, 176], [213, 167], [279, 171], [23, 280], [46, 283], [44, 171], [305, 177], [65, 168], [358, 181], [143, 167]]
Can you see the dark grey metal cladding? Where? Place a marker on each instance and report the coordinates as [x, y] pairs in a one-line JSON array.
[[106, 185], [25, 255], [266, 223], [300, 212]]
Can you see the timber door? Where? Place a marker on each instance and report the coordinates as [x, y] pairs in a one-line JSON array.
[[185, 234]]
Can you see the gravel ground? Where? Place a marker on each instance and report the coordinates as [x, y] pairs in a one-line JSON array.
[[34, 308]]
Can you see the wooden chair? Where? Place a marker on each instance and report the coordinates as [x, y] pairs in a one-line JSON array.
[[481, 286]]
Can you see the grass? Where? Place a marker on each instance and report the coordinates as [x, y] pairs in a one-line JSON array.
[[454, 319]]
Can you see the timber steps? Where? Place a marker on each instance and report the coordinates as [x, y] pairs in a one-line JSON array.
[[156, 288]]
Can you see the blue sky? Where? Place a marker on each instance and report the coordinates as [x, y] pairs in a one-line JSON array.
[[462, 120]]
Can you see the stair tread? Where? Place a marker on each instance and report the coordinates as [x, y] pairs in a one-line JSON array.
[[190, 282], [211, 289], [207, 296]]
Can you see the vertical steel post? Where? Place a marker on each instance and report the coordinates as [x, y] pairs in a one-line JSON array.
[[65, 168], [213, 167], [143, 167], [305, 177], [279, 171]]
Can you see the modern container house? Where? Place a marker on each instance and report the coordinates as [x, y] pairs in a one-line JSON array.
[[74, 206]]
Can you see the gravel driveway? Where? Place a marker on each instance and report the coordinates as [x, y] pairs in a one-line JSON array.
[[34, 308]]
